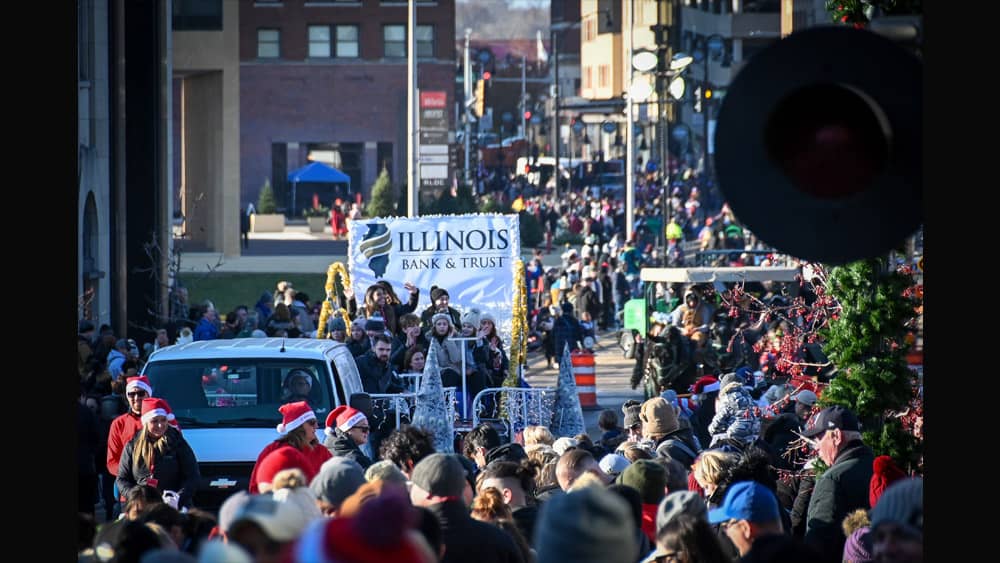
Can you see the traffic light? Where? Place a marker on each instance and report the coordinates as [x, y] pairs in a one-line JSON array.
[[486, 75], [527, 115], [839, 111], [480, 98]]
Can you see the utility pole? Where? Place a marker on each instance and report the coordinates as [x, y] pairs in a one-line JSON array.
[[663, 56], [555, 108], [629, 137], [467, 87], [413, 202]]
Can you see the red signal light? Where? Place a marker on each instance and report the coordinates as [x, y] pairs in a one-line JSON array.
[[487, 75]]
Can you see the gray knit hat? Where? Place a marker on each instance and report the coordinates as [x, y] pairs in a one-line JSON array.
[[680, 502], [902, 503], [632, 416], [587, 525], [337, 479], [440, 474]]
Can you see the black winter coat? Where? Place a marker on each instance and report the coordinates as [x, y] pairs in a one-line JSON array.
[[340, 444], [175, 470], [377, 377], [841, 489], [567, 331], [471, 540]]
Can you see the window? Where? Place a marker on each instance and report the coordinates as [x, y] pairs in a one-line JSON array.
[[395, 41], [197, 15], [394, 37], [602, 76], [347, 41], [589, 28], [268, 43], [588, 77], [210, 392], [425, 41], [319, 41]]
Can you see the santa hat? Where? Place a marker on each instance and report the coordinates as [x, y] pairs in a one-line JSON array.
[[344, 418], [380, 531], [153, 407], [705, 384], [885, 472], [139, 382], [285, 457], [294, 415]]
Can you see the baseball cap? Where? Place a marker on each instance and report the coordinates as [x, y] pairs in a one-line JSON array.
[[806, 397], [281, 521], [613, 464], [830, 418], [746, 500], [440, 475]]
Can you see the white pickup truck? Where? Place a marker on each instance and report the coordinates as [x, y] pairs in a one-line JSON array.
[[226, 393]]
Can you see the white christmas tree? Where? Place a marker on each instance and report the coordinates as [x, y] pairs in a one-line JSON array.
[[431, 413], [567, 416]]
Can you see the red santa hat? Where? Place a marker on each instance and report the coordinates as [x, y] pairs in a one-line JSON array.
[[294, 415], [885, 472], [345, 418], [153, 407], [139, 382], [705, 384], [285, 457], [380, 531]]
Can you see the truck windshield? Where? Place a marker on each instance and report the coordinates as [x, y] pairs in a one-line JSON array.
[[210, 392]]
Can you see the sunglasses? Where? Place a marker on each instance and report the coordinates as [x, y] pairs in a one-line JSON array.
[[136, 395]]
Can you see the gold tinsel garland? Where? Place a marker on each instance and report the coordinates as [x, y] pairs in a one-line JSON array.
[[331, 289], [518, 333]]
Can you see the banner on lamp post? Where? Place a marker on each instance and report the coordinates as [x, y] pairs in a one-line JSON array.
[[471, 256]]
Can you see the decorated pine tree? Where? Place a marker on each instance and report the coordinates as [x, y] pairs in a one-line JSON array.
[[383, 201], [866, 341], [265, 201], [431, 413], [567, 415]]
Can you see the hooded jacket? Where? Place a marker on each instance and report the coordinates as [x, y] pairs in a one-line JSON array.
[[736, 417], [342, 445]]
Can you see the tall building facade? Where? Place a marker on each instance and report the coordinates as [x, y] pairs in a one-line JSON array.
[[326, 81]]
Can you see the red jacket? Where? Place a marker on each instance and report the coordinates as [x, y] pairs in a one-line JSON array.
[[316, 455], [649, 521], [123, 428]]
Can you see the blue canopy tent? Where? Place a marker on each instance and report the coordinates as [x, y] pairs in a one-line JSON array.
[[319, 173]]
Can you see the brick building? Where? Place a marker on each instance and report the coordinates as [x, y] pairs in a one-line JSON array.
[[328, 80]]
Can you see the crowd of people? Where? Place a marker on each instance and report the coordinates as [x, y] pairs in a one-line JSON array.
[[727, 474], [645, 489]]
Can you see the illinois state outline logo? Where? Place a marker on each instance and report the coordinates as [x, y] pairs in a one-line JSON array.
[[376, 245]]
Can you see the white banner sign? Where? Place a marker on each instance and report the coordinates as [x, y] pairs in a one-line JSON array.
[[470, 256]]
